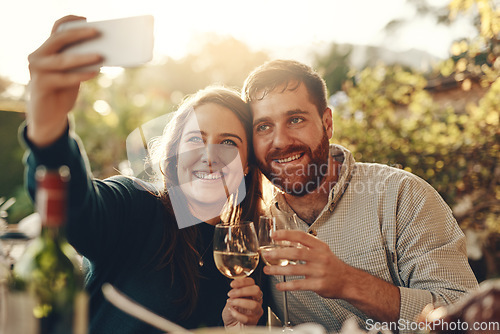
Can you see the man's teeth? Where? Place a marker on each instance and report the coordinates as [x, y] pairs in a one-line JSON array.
[[293, 157], [207, 176]]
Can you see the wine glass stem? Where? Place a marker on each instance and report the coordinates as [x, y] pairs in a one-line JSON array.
[[285, 307]]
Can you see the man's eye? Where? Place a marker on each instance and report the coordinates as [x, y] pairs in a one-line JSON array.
[[262, 127], [228, 142], [296, 120]]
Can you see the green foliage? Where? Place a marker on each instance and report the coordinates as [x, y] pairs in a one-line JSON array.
[[391, 106], [389, 116], [23, 206], [11, 167]]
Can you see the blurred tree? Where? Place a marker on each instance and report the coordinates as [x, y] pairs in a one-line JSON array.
[[333, 66], [11, 175], [477, 61], [440, 13], [477, 58], [389, 116]]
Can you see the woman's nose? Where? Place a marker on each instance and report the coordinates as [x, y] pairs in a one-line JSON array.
[[210, 155]]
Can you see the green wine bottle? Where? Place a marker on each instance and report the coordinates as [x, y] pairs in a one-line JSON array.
[[47, 270]]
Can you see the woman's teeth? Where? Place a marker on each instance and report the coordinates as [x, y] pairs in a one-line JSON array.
[[207, 176], [293, 157]]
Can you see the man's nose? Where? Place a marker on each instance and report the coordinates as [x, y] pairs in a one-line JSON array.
[[282, 137]]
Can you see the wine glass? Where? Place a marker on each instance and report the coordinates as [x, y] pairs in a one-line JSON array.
[[236, 249], [267, 225]]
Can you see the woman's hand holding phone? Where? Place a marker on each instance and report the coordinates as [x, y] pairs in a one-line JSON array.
[[53, 86], [73, 53]]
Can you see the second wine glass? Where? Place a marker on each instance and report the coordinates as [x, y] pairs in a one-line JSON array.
[[267, 225]]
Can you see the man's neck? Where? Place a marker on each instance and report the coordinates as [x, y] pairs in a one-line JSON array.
[[308, 207]]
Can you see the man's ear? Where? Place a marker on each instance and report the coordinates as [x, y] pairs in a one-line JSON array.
[[328, 122]]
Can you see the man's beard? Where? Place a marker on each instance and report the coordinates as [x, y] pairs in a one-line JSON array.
[[299, 182]]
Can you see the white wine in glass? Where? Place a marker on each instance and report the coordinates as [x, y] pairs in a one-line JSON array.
[[272, 262], [268, 225], [236, 249]]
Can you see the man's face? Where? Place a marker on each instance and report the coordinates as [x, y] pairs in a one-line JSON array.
[[291, 140]]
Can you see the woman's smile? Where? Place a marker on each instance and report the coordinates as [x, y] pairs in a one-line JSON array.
[[207, 176]]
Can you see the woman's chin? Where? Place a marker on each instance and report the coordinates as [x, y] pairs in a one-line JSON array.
[[212, 203], [203, 205]]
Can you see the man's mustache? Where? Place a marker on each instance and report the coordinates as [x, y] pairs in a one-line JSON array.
[[276, 154]]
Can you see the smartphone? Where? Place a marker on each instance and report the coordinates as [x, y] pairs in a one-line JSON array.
[[125, 42]]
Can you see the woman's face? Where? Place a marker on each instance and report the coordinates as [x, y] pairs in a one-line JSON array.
[[212, 156]]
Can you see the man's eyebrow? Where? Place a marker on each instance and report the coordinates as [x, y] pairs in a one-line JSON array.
[[261, 120], [297, 112]]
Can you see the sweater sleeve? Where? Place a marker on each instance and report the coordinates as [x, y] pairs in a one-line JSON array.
[[103, 215]]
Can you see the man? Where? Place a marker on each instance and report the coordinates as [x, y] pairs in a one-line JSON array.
[[380, 243]]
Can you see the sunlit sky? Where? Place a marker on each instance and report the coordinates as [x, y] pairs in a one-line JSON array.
[[283, 28]]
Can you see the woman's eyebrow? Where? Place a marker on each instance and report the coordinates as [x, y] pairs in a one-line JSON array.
[[195, 132], [232, 135]]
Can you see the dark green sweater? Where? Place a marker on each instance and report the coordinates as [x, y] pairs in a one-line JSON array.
[[118, 227]]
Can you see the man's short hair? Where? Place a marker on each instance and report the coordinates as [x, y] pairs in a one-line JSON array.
[[289, 74]]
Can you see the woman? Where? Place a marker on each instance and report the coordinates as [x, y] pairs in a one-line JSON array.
[[199, 172], [127, 230]]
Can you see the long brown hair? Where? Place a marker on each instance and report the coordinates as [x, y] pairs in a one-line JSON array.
[[178, 249]]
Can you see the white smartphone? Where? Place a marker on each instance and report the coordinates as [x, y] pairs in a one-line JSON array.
[[125, 42]]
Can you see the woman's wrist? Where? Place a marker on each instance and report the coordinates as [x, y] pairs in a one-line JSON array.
[[44, 136]]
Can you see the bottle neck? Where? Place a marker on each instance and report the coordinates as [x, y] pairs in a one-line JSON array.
[[51, 198]]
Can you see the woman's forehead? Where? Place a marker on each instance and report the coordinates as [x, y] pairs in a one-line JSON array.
[[214, 119]]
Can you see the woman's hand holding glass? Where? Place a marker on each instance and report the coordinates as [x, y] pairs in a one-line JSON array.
[[244, 305], [236, 255]]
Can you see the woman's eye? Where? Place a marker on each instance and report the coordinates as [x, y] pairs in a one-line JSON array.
[[228, 142], [195, 140]]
